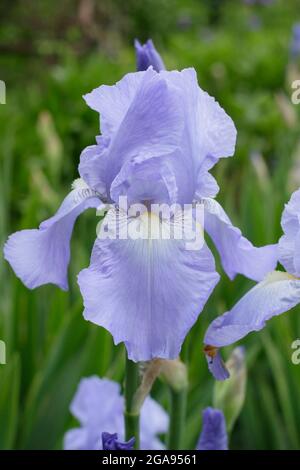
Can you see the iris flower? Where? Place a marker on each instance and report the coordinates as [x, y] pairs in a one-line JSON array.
[[99, 407], [278, 292], [161, 134]]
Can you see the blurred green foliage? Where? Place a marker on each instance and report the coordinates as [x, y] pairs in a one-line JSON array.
[[51, 53]]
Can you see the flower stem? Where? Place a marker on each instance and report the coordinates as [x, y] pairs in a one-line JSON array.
[[131, 417], [177, 418]]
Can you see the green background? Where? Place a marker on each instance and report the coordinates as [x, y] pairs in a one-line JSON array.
[[51, 53]]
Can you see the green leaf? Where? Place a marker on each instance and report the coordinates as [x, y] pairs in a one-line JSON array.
[[9, 400]]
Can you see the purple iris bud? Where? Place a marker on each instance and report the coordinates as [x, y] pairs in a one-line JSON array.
[[295, 43], [111, 442], [213, 435], [147, 55]]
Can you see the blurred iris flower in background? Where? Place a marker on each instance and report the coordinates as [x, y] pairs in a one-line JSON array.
[[99, 407]]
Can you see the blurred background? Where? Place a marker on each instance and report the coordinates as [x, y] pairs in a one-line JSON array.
[[246, 54]]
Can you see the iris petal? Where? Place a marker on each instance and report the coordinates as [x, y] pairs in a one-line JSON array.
[[153, 421], [209, 131], [208, 134], [91, 394], [217, 366], [150, 128], [206, 183], [113, 102], [93, 166], [278, 293], [238, 255], [76, 439], [151, 180], [148, 293], [41, 256], [289, 243], [161, 115]]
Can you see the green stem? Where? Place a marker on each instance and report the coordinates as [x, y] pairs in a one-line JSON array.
[[177, 418], [131, 418]]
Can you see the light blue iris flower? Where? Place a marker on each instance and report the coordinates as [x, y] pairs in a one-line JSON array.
[[161, 134]]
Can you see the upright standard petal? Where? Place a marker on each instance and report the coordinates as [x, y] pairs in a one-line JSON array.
[[278, 293], [215, 363], [209, 131], [156, 287], [213, 435], [113, 102], [289, 243], [237, 254], [151, 128], [209, 134], [147, 55], [41, 256], [148, 115]]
